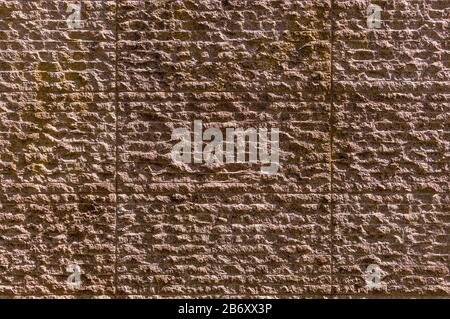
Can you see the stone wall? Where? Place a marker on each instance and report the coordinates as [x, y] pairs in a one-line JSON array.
[[86, 176]]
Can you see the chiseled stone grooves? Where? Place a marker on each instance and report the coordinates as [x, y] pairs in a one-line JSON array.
[[391, 161], [225, 231], [57, 128]]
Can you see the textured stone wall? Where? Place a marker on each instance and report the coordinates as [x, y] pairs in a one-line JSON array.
[[86, 177]]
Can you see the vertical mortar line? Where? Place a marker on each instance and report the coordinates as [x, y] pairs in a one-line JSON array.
[[331, 131], [116, 113]]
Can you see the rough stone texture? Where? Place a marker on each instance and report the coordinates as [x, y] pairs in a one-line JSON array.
[[391, 147], [86, 117], [57, 148]]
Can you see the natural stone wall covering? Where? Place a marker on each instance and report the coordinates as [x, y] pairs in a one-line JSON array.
[[86, 176]]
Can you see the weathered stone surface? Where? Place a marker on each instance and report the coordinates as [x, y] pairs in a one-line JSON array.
[[86, 177], [57, 149], [391, 143]]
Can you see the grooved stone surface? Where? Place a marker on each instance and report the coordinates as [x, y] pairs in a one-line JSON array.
[[86, 177]]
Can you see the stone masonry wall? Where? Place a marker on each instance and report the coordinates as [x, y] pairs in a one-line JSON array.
[[86, 176]]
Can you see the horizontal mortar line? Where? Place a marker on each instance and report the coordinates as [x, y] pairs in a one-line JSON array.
[[264, 83], [208, 201], [62, 274], [223, 113], [140, 202], [149, 3], [239, 275], [376, 41], [225, 283], [224, 295], [209, 91], [389, 122], [285, 183], [276, 229], [403, 247], [280, 31], [23, 194], [391, 62], [53, 203], [65, 41], [408, 104], [174, 100], [130, 63], [347, 212], [211, 112], [135, 70], [389, 81], [84, 72], [303, 238], [152, 162], [399, 36], [314, 283], [130, 16], [222, 193], [381, 205], [151, 41], [54, 175], [137, 203], [415, 101], [259, 274], [30, 52], [149, 59], [281, 121], [421, 97], [243, 101], [127, 60], [44, 91], [81, 111], [421, 125], [61, 156], [189, 107], [439, 210], [64, 154], [52, 27], [163, 256], [63, 19], [49, 26], [123, 193], [345, 26], [246, 173], [392, 11], [111, 295], [315, 200]]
